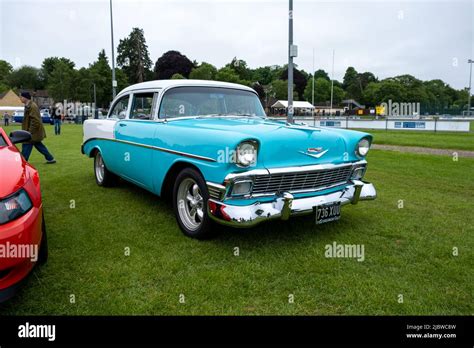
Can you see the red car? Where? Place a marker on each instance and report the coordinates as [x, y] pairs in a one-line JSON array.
[[23, 241]]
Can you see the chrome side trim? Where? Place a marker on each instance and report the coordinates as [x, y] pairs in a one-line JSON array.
[[157, 148]]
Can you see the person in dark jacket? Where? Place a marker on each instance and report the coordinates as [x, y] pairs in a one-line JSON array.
[[6, 119], [56, 114], [32, 123]]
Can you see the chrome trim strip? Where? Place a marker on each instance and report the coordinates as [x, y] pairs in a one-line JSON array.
[[185, 154], [214, 188], [314, 167], [283, 170]]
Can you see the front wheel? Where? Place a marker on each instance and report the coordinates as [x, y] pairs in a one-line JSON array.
[[190, 204]]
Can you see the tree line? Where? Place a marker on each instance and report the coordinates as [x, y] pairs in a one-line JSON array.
[[64, 80]]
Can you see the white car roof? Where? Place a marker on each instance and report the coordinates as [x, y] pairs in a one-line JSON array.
[[180, 83]]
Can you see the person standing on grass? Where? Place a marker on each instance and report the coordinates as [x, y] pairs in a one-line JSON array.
[[57, 115], [6, 119], [32, 123]]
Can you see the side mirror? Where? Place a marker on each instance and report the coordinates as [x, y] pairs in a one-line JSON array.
[[20, 136]]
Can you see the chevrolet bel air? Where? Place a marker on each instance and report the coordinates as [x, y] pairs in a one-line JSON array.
[[209, 147]]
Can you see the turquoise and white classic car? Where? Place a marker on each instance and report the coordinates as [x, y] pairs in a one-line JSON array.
[[209, 147]]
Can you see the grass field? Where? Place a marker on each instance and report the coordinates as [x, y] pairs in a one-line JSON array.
[[439, 140], [408, 251]]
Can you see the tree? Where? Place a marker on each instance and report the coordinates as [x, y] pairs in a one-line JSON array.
[[241, 69], [299, 80], [62, 82], [177, 77], [279, 89], [321, 73], [170, 63], [49, 64], [101, 75], [322, 91], [205, 71], [227, 74], [5, 71], [259, 89], [26, 77], [133, 56]]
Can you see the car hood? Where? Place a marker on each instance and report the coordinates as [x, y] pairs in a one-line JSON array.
[[13, 173], [281, 145]]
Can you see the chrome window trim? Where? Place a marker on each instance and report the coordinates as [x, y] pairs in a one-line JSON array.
[[115, 102], [166, 89], [153, 105]]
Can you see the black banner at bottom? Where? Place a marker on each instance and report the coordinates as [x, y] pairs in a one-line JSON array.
[[416, 330]]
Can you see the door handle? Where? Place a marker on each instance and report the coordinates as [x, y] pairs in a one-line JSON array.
[[122, 125]]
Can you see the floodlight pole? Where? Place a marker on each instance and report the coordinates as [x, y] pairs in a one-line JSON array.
[[114, 82], [470, 61], [312, 97], [289, 117], [332, 79]]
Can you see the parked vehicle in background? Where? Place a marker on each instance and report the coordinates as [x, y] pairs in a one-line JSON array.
[[210, 147], [18, 116], [45, 117]]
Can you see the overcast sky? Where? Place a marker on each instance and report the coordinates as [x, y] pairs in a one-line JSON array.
[[428, 39]]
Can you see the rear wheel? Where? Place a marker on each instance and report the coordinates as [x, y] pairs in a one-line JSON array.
[[103, 176], [190, 204]]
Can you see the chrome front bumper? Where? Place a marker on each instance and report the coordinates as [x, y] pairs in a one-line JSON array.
[[286, 205]]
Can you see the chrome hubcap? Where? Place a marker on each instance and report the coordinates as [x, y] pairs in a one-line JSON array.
[[99, 168], [190, 204]]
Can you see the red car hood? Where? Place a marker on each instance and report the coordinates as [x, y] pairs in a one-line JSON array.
[[13, 173]]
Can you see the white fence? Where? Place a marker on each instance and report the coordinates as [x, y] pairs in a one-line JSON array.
[[406, 124]]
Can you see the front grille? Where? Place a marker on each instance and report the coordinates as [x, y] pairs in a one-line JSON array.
[[304, 181], [214, 191]]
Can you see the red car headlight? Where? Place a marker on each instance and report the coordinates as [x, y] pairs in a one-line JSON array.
[[14, 206]]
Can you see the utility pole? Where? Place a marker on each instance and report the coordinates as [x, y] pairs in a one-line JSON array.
[[312, 98], [114, 82], [332, 80], [96, 113], [292, 53], [470, 61]]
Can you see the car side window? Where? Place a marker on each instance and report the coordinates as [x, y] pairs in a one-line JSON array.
[[142, 105], [120, 108], [2, 141]]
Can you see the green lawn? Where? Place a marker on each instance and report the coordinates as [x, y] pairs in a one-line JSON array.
[[439, 140], [407, 251]]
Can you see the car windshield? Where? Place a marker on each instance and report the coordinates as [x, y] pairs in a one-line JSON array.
[[210, 101]]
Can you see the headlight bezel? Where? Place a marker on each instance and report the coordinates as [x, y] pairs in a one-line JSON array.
[[21, 197], [367, 144], [242, 162]]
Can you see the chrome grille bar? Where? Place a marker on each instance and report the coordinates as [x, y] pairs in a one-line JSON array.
[[298, 181]]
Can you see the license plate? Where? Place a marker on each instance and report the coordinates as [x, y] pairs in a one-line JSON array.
[[328, 212]]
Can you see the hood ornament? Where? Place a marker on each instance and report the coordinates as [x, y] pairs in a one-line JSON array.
[[315, 152]]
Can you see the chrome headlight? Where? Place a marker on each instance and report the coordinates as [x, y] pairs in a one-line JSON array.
[[363, 147], [14, 206], [246, 153]]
